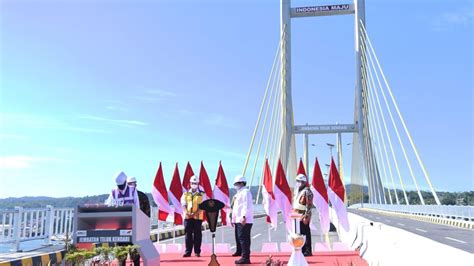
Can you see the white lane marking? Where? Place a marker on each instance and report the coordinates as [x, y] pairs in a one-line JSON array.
[[232, 247], [387, 220], [281, 222], [400, 224], [454, 239], [378, 218], [421, 230], [257, 235]]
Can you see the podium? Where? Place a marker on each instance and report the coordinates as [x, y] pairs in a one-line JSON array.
[[98, 223], [297, 241]]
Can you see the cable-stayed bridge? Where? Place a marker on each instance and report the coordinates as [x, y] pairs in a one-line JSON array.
[[382, 146], [384, 158]]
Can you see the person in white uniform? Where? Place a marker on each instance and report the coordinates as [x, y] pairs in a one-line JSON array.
[[242, 219], [123, 194]]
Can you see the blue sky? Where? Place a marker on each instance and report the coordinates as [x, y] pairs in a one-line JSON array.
[[89, 88]]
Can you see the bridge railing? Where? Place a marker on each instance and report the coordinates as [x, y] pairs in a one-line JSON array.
[[20, 224], [446, 211]]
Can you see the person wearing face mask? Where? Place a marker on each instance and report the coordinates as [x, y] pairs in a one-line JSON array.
[[193, 217], [302, 204], [123, 194], [242, 219], [142, 197]]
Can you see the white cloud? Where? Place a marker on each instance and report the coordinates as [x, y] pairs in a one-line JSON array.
[[115, 108], [44, 122], [161, 93], [24, 161], [214, 119], [460, 18], [146, 99], [12, 137], [184, 112], [155, 95], [228, 153], [118, 122]]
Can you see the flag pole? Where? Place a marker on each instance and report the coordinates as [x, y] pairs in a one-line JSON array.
[[330, 221], [320, 226], [222, 232], [269, 233], [174, 233], [158, 230]]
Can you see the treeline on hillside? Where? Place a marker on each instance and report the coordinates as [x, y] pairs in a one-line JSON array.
[[465, 198], [353, 192]]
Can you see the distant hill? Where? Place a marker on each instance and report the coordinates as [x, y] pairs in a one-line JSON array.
[[447, 198]]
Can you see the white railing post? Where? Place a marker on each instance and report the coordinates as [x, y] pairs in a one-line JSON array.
[[17, 228], [49, 224]]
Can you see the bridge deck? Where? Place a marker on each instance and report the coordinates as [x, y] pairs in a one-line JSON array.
[[455, 237]]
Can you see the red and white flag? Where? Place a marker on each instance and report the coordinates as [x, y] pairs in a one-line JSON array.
[[221, 193], [175, 193], [336, 196], [204, 183], [320, 197], [160, 195], [187, 177], [269, 203], [301, 169], [282, 193]]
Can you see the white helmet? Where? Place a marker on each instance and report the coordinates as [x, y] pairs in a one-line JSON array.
[[194, 179], [120, 178], [131, 179], [239, 178], [301, 178]]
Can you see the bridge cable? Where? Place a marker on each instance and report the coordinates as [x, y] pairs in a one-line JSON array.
[[272, 136], [397, 133], [370, 151], [259, 114], [372, 192], [271, 128], [425, 172], [377, 132], [271, 80], [380, 136], [391, 148]]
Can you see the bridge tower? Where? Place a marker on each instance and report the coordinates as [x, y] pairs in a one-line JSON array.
[[364, 164]]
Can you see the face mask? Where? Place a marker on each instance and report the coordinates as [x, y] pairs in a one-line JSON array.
[[194, 186], [299, 184], [236, 187], [122, 187]]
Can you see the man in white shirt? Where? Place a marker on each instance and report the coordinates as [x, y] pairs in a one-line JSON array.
[[242, 219]]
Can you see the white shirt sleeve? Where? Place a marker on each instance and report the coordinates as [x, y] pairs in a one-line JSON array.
[[110, 200], [243, 202], [249, 206], [136, 200]]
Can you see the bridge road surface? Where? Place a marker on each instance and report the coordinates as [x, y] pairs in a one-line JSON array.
[[452, 236], [259, 234]]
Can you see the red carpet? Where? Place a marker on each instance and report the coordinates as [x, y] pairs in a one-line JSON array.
[[350, 258]]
